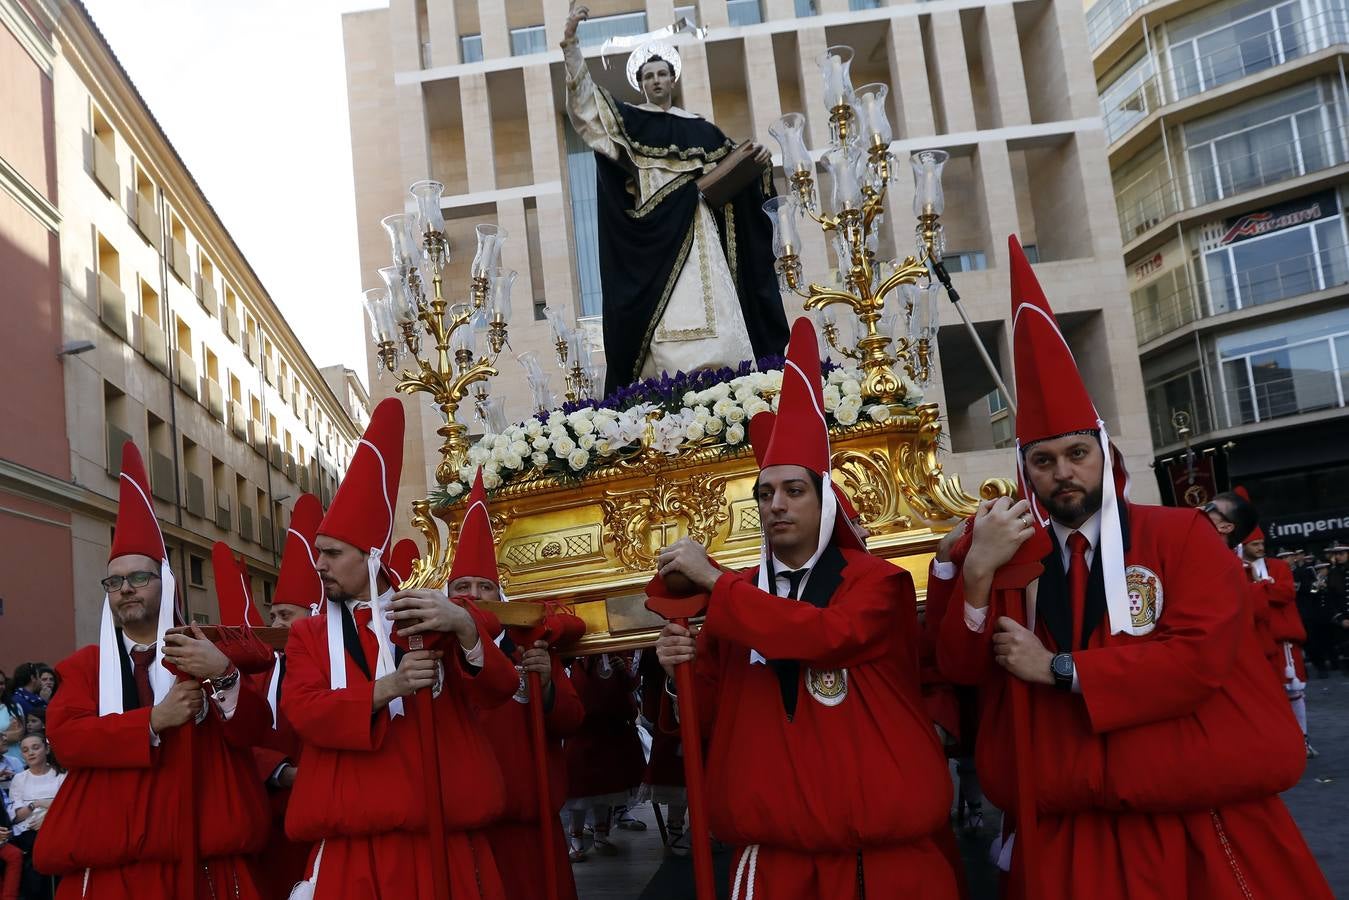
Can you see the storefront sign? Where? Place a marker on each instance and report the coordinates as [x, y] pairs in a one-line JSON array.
[[1148, 267], [1193, 482], [1319, 525], [1281, 216]]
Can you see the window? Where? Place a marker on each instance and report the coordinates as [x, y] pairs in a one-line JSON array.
[[965, 260], [104, 163], [1273, 139], [1279, 264], [1240, 40], [584, 221], [805, 9], [470, 48], [145, 213], [531, 39], [1179, 392], [598, 29], [196, 566], [748, 12], [1285, 369], [178, 261], [149, 303], [1130, 97]]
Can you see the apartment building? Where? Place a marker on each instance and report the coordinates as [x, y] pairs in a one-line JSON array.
[[471, 93], [1226, 124], [141, 321]]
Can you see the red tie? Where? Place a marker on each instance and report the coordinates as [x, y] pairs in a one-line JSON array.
[[140, 672], [1077, 581]]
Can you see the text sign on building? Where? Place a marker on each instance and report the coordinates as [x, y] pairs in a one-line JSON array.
[[1280, 216], [1319, 525]]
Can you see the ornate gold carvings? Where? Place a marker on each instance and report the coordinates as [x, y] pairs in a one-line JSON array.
[[542, 550], [866, 479], [642, 521]]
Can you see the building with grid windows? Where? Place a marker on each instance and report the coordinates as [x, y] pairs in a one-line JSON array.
[[1226, 124], [130, 314], [471, 93]]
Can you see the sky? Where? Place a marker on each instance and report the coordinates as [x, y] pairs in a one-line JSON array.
[[252, 94]]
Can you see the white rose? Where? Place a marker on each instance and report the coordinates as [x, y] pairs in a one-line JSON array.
[[743, 393], [694, 431], [719, 391], [604, 447], [540, 443], [491, 480], [585, 441], [491, 468], [500, 442], [581, 424], [713, 426], [847, 411], [852, 388], [478, 454], [539, 459], [879, 413], [563, 445], [466, 473], [735, 434], [454, 488], [689, 398], [512, 460], [578, 459], [736, 414], [756, 406], [534, 428]]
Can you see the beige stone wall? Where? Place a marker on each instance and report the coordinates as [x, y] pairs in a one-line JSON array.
[[1006, 87]]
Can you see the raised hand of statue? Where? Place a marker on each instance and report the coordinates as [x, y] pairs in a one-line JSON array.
[[575, 16], [762, 155]]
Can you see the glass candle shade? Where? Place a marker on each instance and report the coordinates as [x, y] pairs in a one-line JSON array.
[[928, 199], [465, 336], [923, 316], [874, 121], [400, 296], [835, 64], [383, 325], [499, 294], [405, 254], [496, 415], [841, 164], [427, 194], [542, 391], [789, 132], [596, 372], [490, 238], [782, 212], [529, 361]]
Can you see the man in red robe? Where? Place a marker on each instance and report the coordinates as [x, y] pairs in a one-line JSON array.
[[160, 802], [1160, 743], [516, 837], [361, 793], [823, 768], [298, 595]]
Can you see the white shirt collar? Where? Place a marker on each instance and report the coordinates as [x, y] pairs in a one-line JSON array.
[[673, 110], [131, 645], [1091, 530], [383, 599]]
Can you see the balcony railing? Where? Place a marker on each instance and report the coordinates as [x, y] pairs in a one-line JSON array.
[[207, 295], [187, 374], [213, 395], [1107, 15], [1140, 212], [112, 306], [154, 343], [238, 420], [1250, 54], [147, 221], [1295, 394], [106, 172], [593, 32], [527, 40], [1283, 279]]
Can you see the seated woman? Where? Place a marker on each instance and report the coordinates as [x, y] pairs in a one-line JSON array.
[[30, 794]]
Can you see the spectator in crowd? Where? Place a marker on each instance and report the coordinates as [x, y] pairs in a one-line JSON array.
[[33, 790], [11, 860], [8, 767], [46, 677], [35, 722], [11, 723], [26, 687]]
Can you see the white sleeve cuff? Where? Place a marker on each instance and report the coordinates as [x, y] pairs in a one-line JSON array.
[[943, 570], [976, 619], [228, 699], [474, 657]]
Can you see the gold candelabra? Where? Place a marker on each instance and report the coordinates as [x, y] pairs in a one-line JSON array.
[[861, 175], [465, 338]]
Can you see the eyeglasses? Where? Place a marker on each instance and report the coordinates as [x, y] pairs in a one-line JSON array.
[[137, 579], [1212, 507]]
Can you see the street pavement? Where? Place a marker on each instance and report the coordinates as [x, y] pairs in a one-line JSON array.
[[1319, 803]]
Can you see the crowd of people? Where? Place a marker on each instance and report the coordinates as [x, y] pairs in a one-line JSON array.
[[1125, 682], [29, 777]]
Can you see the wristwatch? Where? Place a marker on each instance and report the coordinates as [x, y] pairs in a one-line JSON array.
[[1061, 667], [224, 682]]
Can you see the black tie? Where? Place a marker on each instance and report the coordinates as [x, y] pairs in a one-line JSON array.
[[789, 670]]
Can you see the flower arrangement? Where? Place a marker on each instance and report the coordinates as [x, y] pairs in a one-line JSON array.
[[668, 415]]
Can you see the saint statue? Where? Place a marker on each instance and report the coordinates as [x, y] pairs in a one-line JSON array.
[[686, 285]]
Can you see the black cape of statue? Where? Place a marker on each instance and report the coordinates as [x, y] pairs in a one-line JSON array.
[[642, 249]]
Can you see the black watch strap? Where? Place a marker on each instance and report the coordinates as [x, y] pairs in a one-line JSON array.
[[1061, 667]]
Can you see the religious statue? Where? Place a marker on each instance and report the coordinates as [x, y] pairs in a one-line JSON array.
[[688, 283]]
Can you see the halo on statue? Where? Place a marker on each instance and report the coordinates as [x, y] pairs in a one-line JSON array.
[[663, 49]]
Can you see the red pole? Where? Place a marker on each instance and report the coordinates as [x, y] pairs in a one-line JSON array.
[[548, 824], [435, 811], [699, 833], [1027, 827]]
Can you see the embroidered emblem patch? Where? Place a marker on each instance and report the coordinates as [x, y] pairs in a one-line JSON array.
[[1145, 597], [522, 692], [828, 686]]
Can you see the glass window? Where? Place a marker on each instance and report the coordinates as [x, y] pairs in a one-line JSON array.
[[525, 41], [470, 48], [1277, 266], [584, 221], [746, 12], [1129, 97], [1239, 40]]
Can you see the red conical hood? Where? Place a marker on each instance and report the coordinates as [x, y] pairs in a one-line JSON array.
[[362, 512], [232, 593], [137, 528], [475, 553], [1050, 396], [299, 583], [405, 553], [804, 438]]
